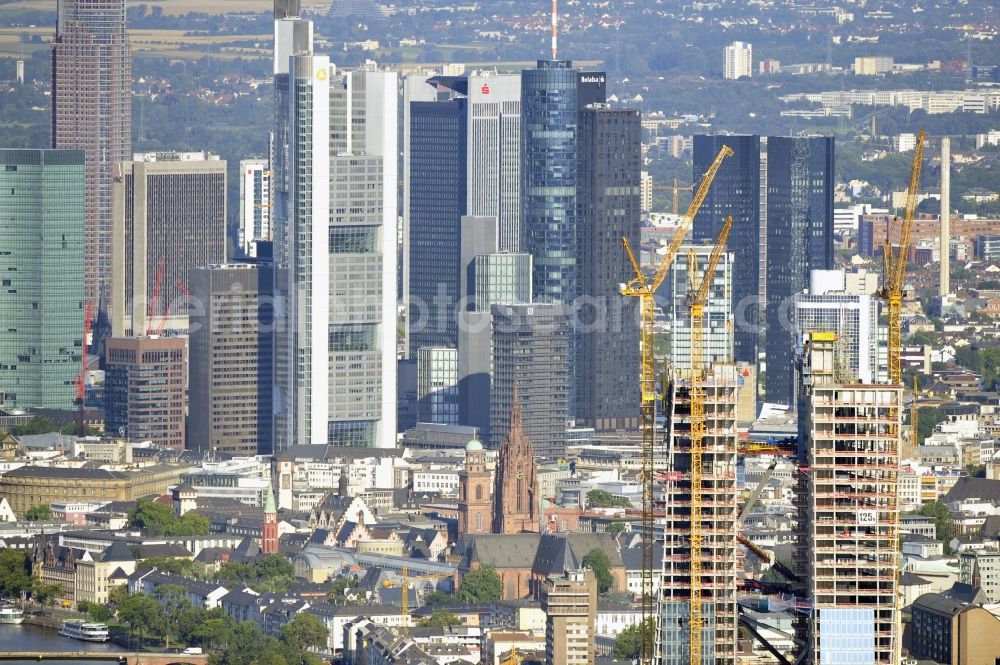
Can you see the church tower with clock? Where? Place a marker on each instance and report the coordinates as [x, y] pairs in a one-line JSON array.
[[515, 495], [475, 506]]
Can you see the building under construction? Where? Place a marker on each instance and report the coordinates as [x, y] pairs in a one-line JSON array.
[[721, 385], [849, 438]]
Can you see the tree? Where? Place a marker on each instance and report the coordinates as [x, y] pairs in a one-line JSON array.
[[340, 587], [628, 644], [930, 416], [605, 499], [615, 528], [437, 598], [141, 612], [39, 513], [943, 523], [170, 565], [15, 575], [303, 632], [441, 619], [599, 562], [158, 519], [922, 337], [482, 585], [94, 611]]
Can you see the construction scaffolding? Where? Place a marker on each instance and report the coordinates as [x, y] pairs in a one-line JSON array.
[[720, 385]]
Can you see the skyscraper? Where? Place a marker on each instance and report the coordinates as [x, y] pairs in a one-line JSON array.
[[42, 264], [550, 233], [463, 157], [336, 368], [849, 437], [144, 389], [718, 330], [301, 399], [232, 359], [169, 218], [92, 111], [610, 164], [721, 386], [531, 350], [736, 192], [437, 203], [800, 174], [255, 204], [828, 307], [738, 60], [437, 385]]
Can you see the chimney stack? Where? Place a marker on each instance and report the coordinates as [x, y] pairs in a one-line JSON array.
[[945, 286]]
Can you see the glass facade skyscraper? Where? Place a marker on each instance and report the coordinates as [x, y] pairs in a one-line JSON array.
[[799, 239], [437, 203], [736, 192], [42, 266], [549, 220]]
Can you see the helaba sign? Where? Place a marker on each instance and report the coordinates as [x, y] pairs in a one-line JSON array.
[[591, 79]]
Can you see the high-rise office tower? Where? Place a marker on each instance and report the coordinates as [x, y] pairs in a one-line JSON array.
[[232, 359], [531, 351], [336, 368], [738, 60], [552, 97], [570, 607], [92, 111], [302, 362], [437, 171], [437, 385], [717, 326], [610, 165], [363, 218], [550, 209], [255, 204], [721, 385], [849, 438], [487, 278], [41, 276], [169, 218], [292, 35], [736, 192], [144, 397], [800, 174], [463, 157], [828, 307]]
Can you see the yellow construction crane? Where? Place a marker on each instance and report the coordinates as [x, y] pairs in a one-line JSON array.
[[894, 270], [645, 290], [894, 267], [512, 658], [405, 587], [676, 189], [696, 305]]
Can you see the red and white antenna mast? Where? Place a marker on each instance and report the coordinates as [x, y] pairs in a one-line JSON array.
[[555, 27]]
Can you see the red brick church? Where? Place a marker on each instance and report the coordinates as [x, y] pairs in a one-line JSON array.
[[514, 504]]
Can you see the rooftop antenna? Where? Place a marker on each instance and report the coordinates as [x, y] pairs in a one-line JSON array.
[[555, 27]]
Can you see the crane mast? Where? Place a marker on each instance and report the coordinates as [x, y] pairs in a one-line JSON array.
[[894, 265], [697, 390], [645, 290]]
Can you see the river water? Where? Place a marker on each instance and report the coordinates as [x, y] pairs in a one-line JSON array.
[[34, 639]]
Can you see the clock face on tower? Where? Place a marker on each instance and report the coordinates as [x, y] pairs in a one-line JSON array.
[[520, 474]]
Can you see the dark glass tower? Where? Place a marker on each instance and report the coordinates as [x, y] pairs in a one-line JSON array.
[[610, 163], [799, 239], [437, 203], [92, 111], [736, 192], [549, 111]]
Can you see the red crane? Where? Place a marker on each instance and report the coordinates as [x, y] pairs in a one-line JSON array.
[[81, 378]]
